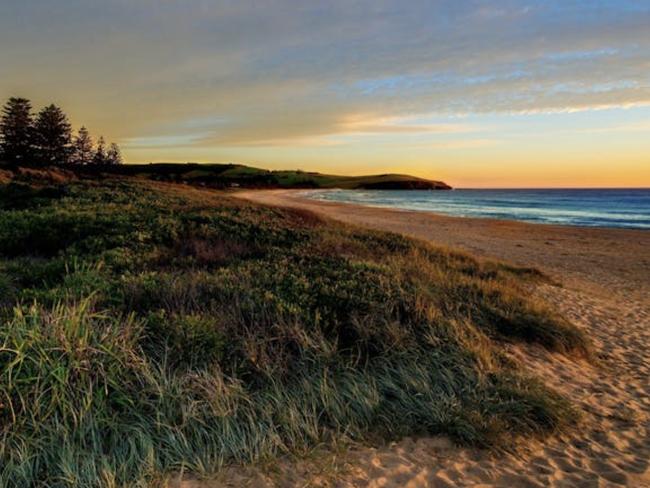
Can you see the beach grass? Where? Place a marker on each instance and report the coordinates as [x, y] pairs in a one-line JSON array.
[[149, 328]]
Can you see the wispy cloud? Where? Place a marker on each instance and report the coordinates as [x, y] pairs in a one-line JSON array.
[[300, 73], [149, 142], [360, 124]]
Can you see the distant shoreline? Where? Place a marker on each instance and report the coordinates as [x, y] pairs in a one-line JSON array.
[[558, 188]]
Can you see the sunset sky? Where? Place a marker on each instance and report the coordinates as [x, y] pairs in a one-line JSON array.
[[476, 93]]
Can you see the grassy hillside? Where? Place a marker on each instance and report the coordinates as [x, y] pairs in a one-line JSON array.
[[148, 328], [226, 175]]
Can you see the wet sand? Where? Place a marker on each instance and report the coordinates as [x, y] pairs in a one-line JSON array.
[[605, 277]]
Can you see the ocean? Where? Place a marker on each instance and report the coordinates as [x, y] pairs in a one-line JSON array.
[[624, 208]]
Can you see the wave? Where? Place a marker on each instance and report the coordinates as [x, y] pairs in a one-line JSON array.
[[588, 208]]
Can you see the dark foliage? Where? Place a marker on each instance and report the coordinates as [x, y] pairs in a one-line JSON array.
[[16, 131], [47, 139], [52, 137]]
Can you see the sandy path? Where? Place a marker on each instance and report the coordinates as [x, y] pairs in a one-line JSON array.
[[606, 277]]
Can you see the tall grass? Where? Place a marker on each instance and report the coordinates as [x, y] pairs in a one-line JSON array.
[[167, 329]]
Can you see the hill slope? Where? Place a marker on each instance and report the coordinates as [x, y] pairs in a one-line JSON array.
[[225, 175]]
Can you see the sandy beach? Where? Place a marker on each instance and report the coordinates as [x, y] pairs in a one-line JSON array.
[[603, 278]]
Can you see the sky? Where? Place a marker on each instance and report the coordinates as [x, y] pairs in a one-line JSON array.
[[510, 93]]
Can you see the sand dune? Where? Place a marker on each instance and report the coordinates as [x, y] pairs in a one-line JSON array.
[[606, 290]]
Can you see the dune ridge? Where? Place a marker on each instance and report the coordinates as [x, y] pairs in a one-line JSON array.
[[606, 291]]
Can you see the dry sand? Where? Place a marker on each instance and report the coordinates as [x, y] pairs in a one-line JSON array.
[[605, 275]]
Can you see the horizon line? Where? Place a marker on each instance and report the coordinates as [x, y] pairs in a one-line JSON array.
[[406, 174]]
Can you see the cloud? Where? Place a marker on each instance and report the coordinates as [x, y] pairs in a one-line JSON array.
[[151, 142], [360, 124], [285, 72]]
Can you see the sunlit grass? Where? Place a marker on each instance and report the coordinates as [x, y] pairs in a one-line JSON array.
[[148, 328]]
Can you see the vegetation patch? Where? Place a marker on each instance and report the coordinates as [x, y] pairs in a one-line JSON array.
[[148, 328]]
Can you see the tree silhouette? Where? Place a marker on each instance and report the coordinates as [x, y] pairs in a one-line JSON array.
[[16, 131], [52, 136], [47, 139], [114, 156], [82, 149], [100, 152]]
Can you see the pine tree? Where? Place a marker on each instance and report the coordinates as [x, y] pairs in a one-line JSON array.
[[52, 136], [82, 150], [100, 152], [16, 130], [114, 156]]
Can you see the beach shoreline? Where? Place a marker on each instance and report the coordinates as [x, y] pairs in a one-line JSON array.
[[604, 208], [610, 259], [603, 286]]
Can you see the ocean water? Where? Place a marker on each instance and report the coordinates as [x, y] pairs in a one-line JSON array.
[[626, 208]]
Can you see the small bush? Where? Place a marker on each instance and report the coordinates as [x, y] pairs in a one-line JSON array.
[[17, 196], [183, 341]]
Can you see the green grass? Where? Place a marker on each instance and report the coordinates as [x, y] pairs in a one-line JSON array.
[[148, 328]]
